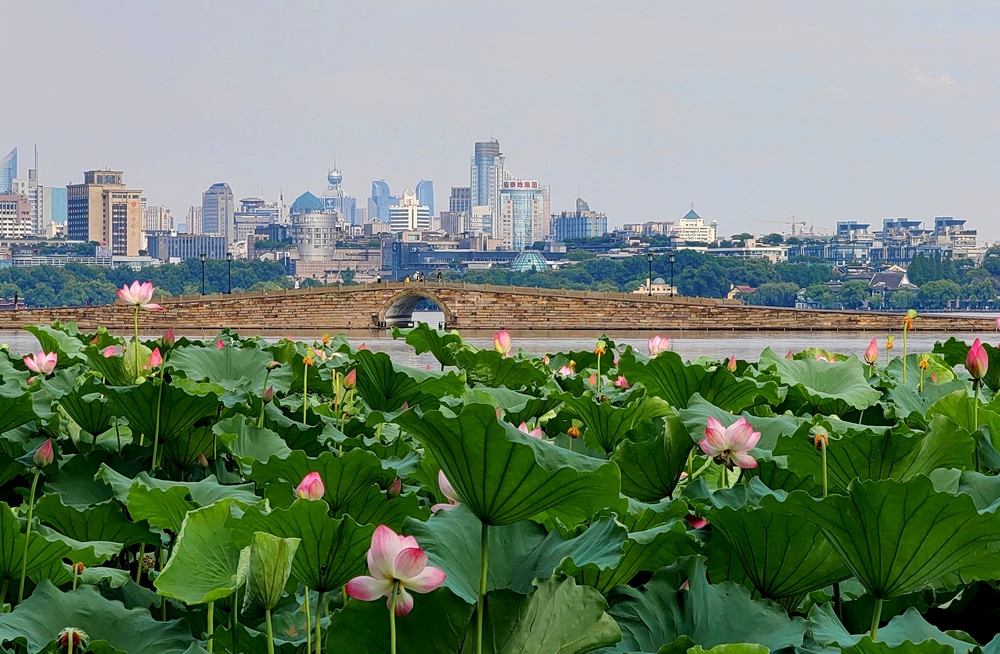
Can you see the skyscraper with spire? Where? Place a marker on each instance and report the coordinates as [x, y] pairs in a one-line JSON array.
[[335, 199], [8, 172]]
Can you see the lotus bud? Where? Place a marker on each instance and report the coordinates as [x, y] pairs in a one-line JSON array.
[[155, 359], [351, 379], [311, 487], [790, 355], [501, 342], [621, 382], [998, 324], [95, 339], [78, 568], [573, 432], [273, 365], [592, 380], [545, 359], [396, 488], [109, 351], [219, 344], [499, 413], [871, 352], [362, 347], [168, 339], [202, 461], [731, 364], [44, 455], [406, 405], [695, 521], [977, 362]]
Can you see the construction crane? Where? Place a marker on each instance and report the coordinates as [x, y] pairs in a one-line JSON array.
[[791, 222]]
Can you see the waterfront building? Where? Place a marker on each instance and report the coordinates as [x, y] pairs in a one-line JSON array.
[[380, 201], [524, 213], [583, 223], [172, 247], [334, 198], [409, 214], [218, 209], [103, 209], [425, 194], [8, 172], [460, 199], [15, 216]]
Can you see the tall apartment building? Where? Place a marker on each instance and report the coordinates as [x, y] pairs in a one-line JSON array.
[[218, 209], [156, 218], [15, 216], [524, 217], [460, 199], [192, 223], [102, 209], [409, 214], [582, 223]]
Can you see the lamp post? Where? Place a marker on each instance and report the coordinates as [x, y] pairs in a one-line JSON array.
[[671, 274], [229, 273], [649, 287], [202, 256]]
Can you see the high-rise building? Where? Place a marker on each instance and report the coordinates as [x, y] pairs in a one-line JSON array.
[[380, 201], [582, 223], [693, 227], [218, 206], [524, 213], [425, 194], [254, 213], [15, 216], [487, 174], [409, 214], [335, 199], [460, 199], [102, 209], [8, 172], [156, 218], [192, 223]]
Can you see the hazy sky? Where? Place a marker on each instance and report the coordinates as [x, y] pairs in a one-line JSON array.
[[754, 111]]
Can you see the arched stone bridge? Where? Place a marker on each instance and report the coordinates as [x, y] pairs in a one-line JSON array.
[[472, 307]]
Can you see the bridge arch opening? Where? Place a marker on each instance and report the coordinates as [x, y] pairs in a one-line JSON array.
[[415, 305]]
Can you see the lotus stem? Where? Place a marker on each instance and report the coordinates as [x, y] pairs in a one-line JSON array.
[[211, 625], [975, 405], [876, 617], [483, 571], [392, 618], [3, 594], [319, 603], [138, 567], [722, 477], [135, 322], [690, 465], [305, 394], [336, 391], [822, 448], [27, 533], [235, 619], [156, 431], [163, 604], [76, 576], [598, 373], [263, 404], [270, 631], [904, 354], [308, 625]]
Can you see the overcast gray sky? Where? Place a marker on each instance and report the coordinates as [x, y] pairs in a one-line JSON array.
[[754, 111]]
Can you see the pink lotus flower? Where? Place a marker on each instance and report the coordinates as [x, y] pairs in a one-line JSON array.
[[731, 364], [395, 561], [821, 357], [730, 445], [44, 455], [449, 493], [501, 342], [657, 344], [155, 359], [41, 362], [311, 487], [998, 324], [566, 371], [109, 351], [139, 295], [977, 362], [534, 433], [351, 379], [219, 344], [695, 521], [621, 382], [871, 353]]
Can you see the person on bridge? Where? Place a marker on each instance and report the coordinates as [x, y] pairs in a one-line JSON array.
[[439, 277]]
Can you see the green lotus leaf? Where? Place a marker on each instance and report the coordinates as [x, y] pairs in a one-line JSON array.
[[504, 476], [910, 627], [909, 402], [75, 481], [343, 477], [668, 378], [936, 366], [729, 648], [204, 564], [559, 617], [331, 551], [270, 564], [821, 387], [899, 537], [38, 620], [868, 455], [656, 537], [651, 468], [164, 504], [16, 406], [954, 352], [384, 386], [45, 552], [112, 369], [452, 542], [961, 407], [297, 436], [103, 522], [88, 407], [235, 369], [490, 368], [179, 408], [50, 339], [710, 614], [248, 442], [89, 552], [372, 506], [781, 556], [424, 339], [438, 623], [95, 575], [607, 425]]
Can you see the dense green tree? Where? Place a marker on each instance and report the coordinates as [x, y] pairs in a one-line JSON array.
[[853, 294], [938, 294], [924, 269], [775, 294], [980, 293], [821, 293], [804, 273], [903, 300], [772, 239], [707, 280]]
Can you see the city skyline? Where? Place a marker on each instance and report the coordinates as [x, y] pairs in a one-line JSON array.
[[754, 112]]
